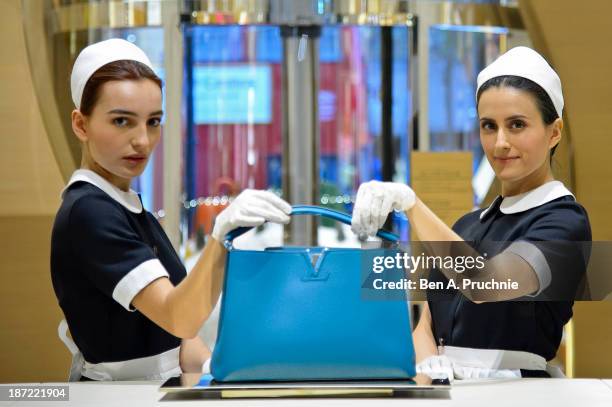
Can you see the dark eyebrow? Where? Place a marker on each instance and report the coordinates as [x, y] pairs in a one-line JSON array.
[[513, 117], [516, 116], [128, 113], [121, 111]]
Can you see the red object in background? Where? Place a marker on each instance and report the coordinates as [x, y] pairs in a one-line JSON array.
[[239, 151], [206, 214], [330, 84]]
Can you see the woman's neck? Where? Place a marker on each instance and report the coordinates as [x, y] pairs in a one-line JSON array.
[[538, 178], [121, 183]]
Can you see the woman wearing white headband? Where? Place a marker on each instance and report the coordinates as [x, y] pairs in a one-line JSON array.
[[482, 332], [133, 312]]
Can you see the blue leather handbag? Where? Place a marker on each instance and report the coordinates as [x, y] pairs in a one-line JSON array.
[[297, 314]]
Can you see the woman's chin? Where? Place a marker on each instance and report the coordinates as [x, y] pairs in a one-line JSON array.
[[125, 174], [132, 171], [508, 176]]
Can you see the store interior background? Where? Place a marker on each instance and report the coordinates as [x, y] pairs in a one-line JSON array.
[[573, 36]]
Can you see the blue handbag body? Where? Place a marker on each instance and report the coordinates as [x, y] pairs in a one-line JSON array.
[[287, 317]]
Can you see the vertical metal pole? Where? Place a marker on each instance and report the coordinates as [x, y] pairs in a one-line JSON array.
[[387, 155], [190, 142], [301, 127], [386, 84], [428, 12], [173, 66], [414, 75]]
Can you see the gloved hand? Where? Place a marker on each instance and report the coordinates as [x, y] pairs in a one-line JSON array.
[[466, 372], [436, 367], [250, 208], [375, 200]]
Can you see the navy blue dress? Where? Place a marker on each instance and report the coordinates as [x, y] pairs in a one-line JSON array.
[[103, 252], [549, 213]]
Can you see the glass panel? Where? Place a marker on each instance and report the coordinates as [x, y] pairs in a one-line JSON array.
[[351, 115], [456, 55], [233, 138], [235, 82]]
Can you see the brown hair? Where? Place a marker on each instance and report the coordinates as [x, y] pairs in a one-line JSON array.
[[114, 71]]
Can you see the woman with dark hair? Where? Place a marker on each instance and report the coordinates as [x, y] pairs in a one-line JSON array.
[[132, 310], [478, 332]]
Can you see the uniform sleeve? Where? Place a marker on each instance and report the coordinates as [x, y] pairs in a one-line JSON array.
[[112, 254], [557, 247]]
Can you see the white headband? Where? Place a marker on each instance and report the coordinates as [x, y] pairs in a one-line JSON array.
[[95, 56], [526, 63]]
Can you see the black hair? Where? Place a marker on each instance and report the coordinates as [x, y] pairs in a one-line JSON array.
[[543, 101]]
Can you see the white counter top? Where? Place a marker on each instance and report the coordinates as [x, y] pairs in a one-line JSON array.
[[500, 393]]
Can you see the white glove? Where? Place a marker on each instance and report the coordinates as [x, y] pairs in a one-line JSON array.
[[250, 208], [466, 372], [206, 367], [436, 367], [375, 200]]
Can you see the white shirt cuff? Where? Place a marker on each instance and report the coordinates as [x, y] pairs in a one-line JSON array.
[[535, 258], [137, 279]]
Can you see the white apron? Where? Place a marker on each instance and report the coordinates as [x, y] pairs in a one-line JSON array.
[[496, 359], [156, 367]]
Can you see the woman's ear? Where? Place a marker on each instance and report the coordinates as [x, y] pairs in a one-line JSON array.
[[79, 125], [556, 134]]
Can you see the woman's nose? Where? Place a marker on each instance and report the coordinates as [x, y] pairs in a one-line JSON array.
[[501, 140], [141, 137]]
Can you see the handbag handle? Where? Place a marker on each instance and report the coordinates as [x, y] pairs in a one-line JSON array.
[[316, 211]]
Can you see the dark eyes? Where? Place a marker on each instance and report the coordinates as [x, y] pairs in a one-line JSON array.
[[124, 122], [514, 124], [120, 121], [486, 125], [154, 122]]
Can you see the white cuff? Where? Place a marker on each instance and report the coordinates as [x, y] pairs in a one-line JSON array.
[[137, 279], [535, 258]]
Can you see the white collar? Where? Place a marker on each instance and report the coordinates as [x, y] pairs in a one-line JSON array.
[[130, 199], [531, 199]]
